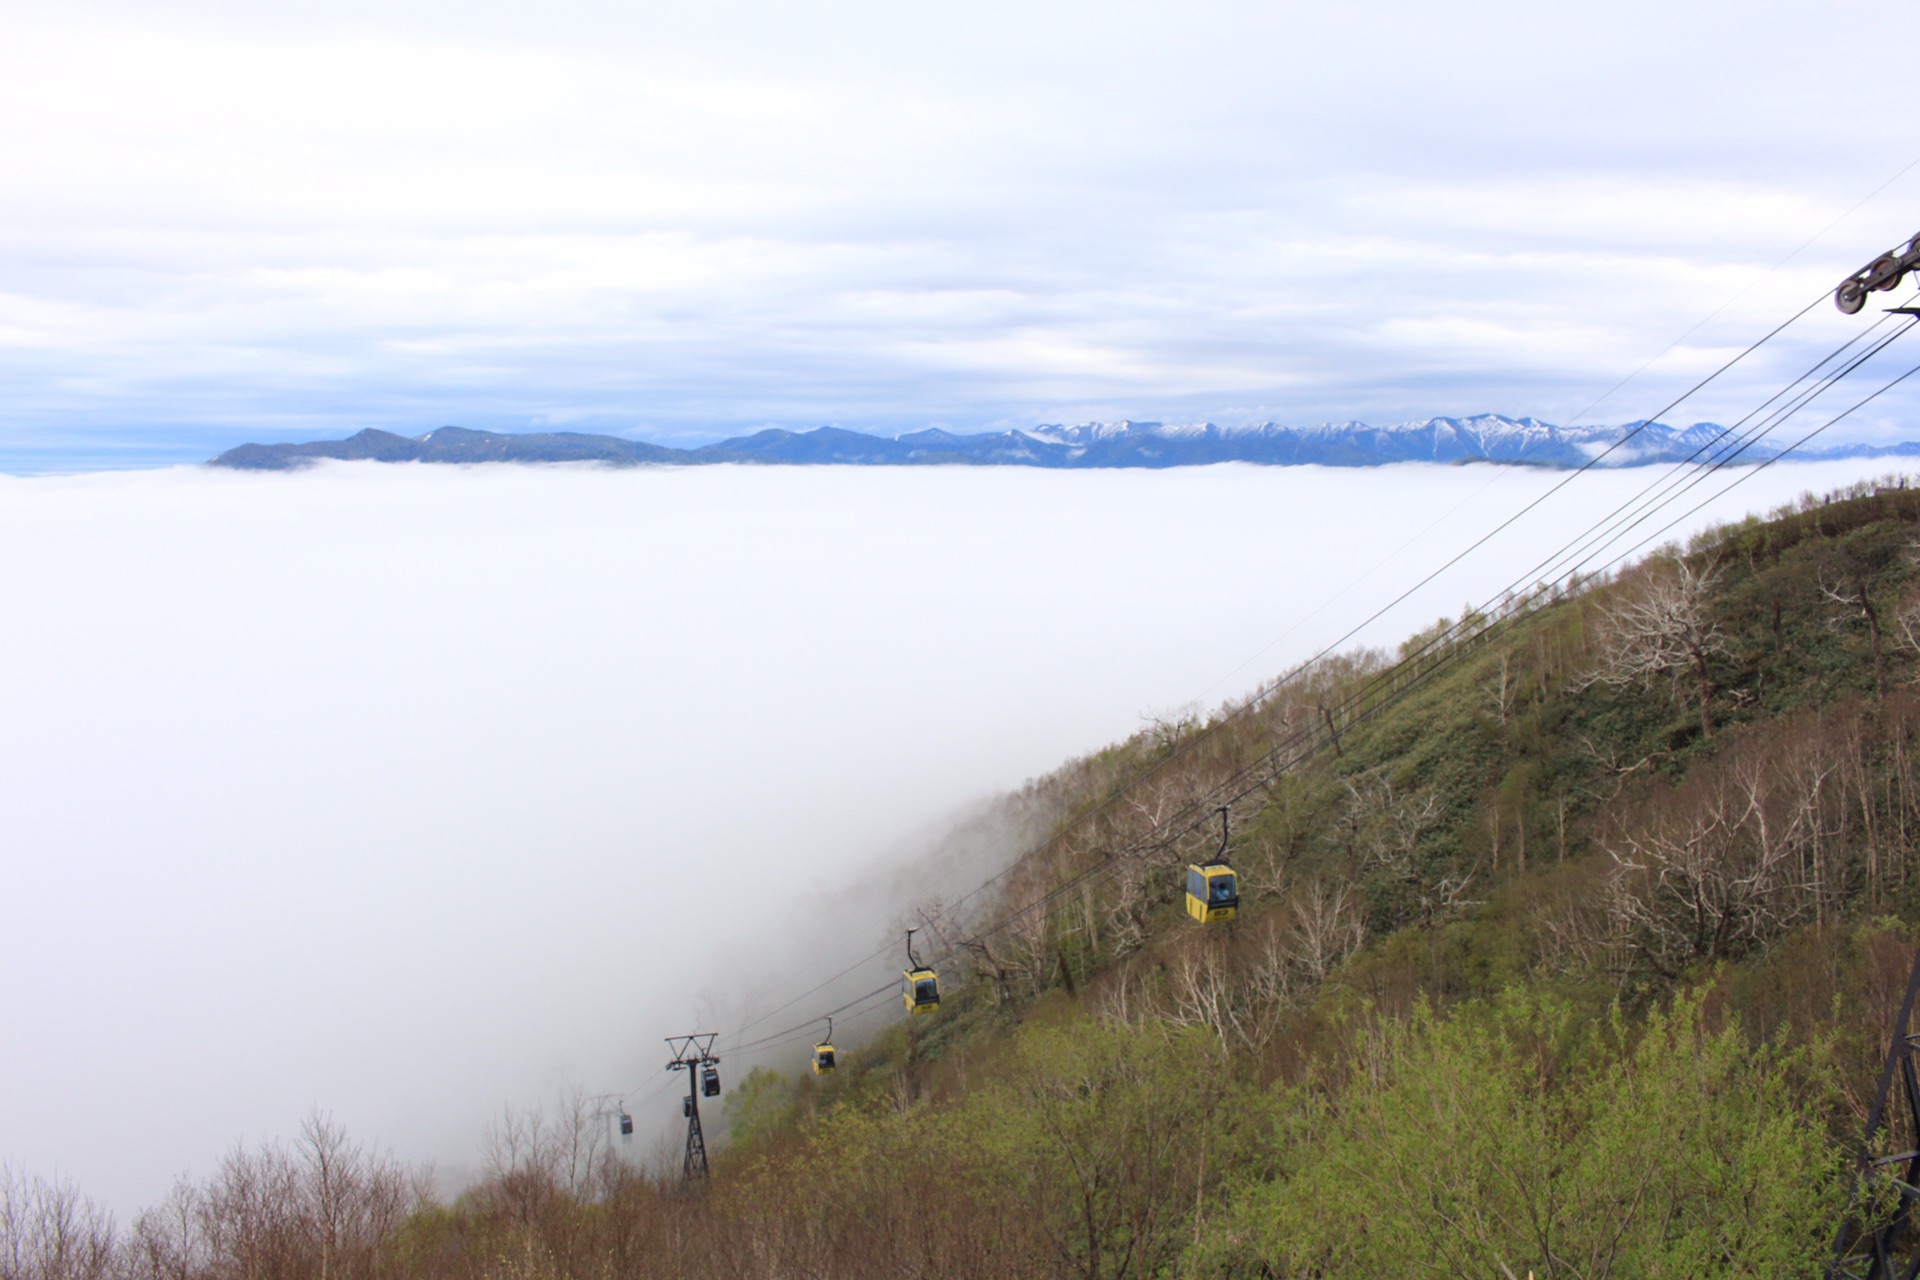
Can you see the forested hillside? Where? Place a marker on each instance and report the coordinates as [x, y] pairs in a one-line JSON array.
[[1568, 943]]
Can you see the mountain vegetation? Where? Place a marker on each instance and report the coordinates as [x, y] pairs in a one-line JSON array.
[[1569, 939]]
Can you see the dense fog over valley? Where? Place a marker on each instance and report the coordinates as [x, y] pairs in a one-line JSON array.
[[413, 793]]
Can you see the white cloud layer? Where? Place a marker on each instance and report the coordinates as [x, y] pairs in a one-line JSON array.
[[412, 792], [220, 222]]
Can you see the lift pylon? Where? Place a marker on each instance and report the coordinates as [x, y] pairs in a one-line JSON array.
[[612, 1107], [694, 1055], [1876, 1239]]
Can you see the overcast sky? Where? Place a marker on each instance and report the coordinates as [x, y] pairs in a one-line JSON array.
[[386, 789], [224, 221]]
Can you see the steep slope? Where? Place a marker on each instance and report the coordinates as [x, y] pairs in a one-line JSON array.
[[1535, 935]]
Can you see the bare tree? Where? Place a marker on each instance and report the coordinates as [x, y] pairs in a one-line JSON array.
[[1323, 927], [1908, 620], [1850, 575], [1743, 851], [166, 1242], [1907, 614], [49, 1231], [1130, 897], [248, 1213], [327, 1209], [1573, 926], [1125, 998], [1503, 692], [1616, 764], [1663, 626], [1856, 596], [1166, 730], [1385, 827], [352, 1200], [1204, 992]]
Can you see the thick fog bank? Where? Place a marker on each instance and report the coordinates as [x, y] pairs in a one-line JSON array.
[[414, 792]]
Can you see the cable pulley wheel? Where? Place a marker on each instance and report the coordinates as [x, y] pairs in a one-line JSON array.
[[1851, 295]]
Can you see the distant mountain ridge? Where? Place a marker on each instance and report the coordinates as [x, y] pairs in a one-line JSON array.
[[1487, 437]]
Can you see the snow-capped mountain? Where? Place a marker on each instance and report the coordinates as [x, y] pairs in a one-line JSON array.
[[1487, 437]]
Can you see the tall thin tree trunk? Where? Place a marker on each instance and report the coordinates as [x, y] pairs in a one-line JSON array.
[[1706, 693], [1873, 639]]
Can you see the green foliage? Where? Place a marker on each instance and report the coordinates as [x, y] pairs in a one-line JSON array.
[[761, 1104], [1090, 1152], [1518, 1138], [1102, 1133]]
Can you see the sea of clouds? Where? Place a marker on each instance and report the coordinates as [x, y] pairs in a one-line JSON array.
[[412, 793]]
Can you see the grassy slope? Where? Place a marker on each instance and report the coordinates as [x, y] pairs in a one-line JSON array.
[[1506, 774]]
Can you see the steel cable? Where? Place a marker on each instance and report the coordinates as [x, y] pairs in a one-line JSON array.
[[1201, 810], [1087, 814]]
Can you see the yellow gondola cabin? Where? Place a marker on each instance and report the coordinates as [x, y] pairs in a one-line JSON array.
[[921, 987], [1213, 892], [823, 1055]]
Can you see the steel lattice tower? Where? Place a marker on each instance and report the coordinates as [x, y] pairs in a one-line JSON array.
[[694, 1055], [1876, 1239]]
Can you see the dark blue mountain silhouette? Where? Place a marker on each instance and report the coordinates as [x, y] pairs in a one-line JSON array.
[[1484, 438]]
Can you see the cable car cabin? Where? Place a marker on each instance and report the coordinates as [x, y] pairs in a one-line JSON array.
[[822, 1059], [1213, 892], [710, 1082], [922, 990], [626, 1125]]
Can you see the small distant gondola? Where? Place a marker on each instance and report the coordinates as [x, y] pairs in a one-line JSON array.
[[920, 986], [710, 1082], [823, 1055], [1213, 890]]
